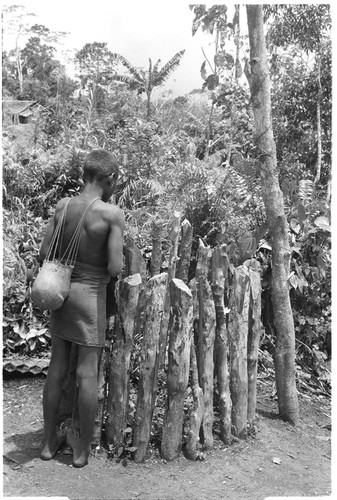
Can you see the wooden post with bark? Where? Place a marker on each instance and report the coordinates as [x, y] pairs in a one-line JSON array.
[[180, 333], [185, 251], [134, 264], [254, 334], [238, 335], [174, 238], [197, 414], [147, 385], [219, 276], [119, 373], [134, 261], [206, 336], [101, 396], [257, 72]]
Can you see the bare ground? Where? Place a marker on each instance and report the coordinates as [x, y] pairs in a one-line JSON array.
[[276, 460]]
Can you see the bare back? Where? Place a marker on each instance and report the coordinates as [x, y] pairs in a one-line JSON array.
[[101, 242]]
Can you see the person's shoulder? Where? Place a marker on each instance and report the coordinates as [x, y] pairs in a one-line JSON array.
[[61, 204], [113, 213]]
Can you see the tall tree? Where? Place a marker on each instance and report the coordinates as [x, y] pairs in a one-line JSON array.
[[306, 30], [257, 72], [146, 81], [17, 28], [96, 65], [15, 21]]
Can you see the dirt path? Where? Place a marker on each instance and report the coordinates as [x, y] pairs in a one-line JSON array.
[[278, 460]]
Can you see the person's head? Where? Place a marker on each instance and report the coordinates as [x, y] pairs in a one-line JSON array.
[[101, 167]]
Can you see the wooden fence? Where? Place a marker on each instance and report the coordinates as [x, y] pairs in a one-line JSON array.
[[203, 333]]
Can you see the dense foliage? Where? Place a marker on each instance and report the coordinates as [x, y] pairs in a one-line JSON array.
[[194, 153]]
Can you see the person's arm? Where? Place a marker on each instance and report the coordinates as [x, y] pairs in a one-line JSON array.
[[115, 243], [46, 240]]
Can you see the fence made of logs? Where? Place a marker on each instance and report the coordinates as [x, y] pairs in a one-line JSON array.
[[201, 333]]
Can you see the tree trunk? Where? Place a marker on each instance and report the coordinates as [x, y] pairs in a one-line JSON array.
[[254, 334], [206, 336], [181, 324], [147, 385], [197, 413], [259, 82], [119, 376], [185, 251], [219, 275], [319, 126], [171, 271]]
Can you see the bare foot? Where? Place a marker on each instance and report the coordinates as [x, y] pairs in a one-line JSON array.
[[80, 453], [51, 447]]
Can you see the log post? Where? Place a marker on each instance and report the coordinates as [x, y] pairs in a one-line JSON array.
[[134, 264], [197, 414], [174, 237], [101, 393], [156, 256], [119, 376], [206, 337], [185, 251], [147, 385], [181, 324], [134, 261], [238, 335], [254, 334], [219, 275]]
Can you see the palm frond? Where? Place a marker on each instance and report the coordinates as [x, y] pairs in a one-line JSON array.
[[169, 67]]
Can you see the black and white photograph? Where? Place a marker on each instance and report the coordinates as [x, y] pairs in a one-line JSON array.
[[167, 218]]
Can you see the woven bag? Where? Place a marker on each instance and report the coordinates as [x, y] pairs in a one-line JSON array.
[[52, 284]]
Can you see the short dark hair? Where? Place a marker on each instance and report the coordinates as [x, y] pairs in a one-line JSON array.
[[99, 164]]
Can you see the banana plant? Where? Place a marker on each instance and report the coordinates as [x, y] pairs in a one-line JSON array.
[[146, 80]]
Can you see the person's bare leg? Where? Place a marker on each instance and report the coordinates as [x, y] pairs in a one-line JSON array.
[[52, 394], [87, 371]]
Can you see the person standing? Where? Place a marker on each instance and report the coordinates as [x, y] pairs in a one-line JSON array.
[[82, 317]]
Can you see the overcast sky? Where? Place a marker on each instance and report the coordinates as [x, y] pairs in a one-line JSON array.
[[137, 29]]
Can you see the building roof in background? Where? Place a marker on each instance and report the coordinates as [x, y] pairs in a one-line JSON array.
[[17, 107]]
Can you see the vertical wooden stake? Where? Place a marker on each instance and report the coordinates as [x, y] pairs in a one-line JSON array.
[[254, 334], [238, 334], [185, 251], [181, 324], [101, 392], [206, 341], [219, 275], [147, 385], [134, 262], [174, 237], [119, 376], [197, 415]]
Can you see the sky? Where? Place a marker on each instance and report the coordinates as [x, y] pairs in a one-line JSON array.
[[138, 30]]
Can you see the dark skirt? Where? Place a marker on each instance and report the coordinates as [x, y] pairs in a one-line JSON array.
[[82, 317]]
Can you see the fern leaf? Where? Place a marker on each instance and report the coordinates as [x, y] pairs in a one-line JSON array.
[[306, 191]]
